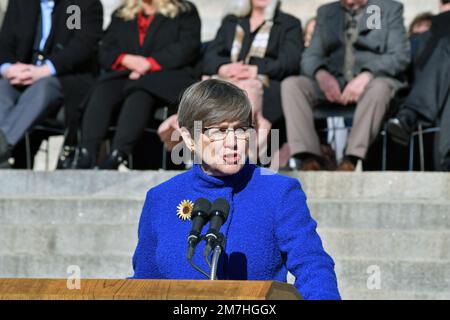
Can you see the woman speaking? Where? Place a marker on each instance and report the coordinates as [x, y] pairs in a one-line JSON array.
[[269, 230]]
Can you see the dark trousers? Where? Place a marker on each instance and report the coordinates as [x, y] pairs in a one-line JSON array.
[[430, 94], [134, 111]]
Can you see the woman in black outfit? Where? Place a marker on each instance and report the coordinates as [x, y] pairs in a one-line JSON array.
[[147, 54]]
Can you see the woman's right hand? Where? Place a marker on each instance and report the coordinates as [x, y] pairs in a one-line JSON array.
[[232, 71]]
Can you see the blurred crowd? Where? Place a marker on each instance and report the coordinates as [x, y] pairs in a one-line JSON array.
[[104, 90]]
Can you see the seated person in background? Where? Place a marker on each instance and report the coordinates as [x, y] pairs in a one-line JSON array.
[[255, 48], [429, 99], [420, 24], [44, 63], [147, 53], [309, 31], [363, 64]]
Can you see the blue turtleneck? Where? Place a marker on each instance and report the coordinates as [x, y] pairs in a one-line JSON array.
[[269, 231]]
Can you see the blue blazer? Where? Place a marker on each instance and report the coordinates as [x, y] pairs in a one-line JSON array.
[[269, 231]]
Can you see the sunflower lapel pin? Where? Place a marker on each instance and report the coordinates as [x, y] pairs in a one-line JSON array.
[[184, 210]]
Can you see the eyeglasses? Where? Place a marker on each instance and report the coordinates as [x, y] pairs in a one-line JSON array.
[[217, 133]]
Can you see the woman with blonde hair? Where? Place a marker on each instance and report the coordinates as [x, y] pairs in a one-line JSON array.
[[147, 56], [256, 47]]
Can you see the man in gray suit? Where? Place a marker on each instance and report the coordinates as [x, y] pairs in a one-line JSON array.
[[358, 55]]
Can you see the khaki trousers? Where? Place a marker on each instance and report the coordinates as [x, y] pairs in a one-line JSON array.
[[300, 95]]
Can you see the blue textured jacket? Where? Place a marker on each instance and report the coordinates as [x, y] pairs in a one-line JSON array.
[[269, 231]]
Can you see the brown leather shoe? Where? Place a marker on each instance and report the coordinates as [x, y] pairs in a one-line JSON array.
[[310, 165], [346, 166]]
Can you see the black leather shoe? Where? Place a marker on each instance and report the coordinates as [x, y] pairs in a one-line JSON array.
[[83, 160], [114, 160], [398, 132], [66, 158], [401, 127]]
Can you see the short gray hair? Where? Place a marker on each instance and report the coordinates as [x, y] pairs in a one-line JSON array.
[[213, 102]]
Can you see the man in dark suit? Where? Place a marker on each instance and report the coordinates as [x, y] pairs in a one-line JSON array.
[[429, 99], [47, 57], [358, 55]]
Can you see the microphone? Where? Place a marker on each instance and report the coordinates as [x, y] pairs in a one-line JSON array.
[[218, 215], [200, 216]]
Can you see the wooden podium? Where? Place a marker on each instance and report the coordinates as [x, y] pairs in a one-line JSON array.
[[93, 289]]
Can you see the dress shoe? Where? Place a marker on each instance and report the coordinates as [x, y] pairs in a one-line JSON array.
[[401, 127], [67, 158], [346, 166], [113, 161], [310, 164], [329, 157], [83, 160]]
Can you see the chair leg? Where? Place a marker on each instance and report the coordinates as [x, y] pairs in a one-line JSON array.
[[27, 150], [421, 148], [47, 157], [108, 147], [164, 152], [384, 155], [130, 162], [411, 153]]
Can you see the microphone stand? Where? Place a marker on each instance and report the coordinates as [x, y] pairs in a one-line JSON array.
[[218, 248], [190, 256]]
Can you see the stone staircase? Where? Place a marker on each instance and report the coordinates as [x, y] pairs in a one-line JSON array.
[[397, 224]]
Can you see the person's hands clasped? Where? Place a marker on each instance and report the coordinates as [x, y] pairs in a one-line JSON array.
[[17, 73], [329, 86], [235, 71], [355, 88], [20, 74], [138, 65], [250, 72]]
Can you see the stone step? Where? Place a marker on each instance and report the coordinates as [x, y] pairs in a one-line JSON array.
[[395, 275], [419, 279], [56, 266], [391, 244], [340, 214], [386, 186], [122, 238], [373, 214]]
